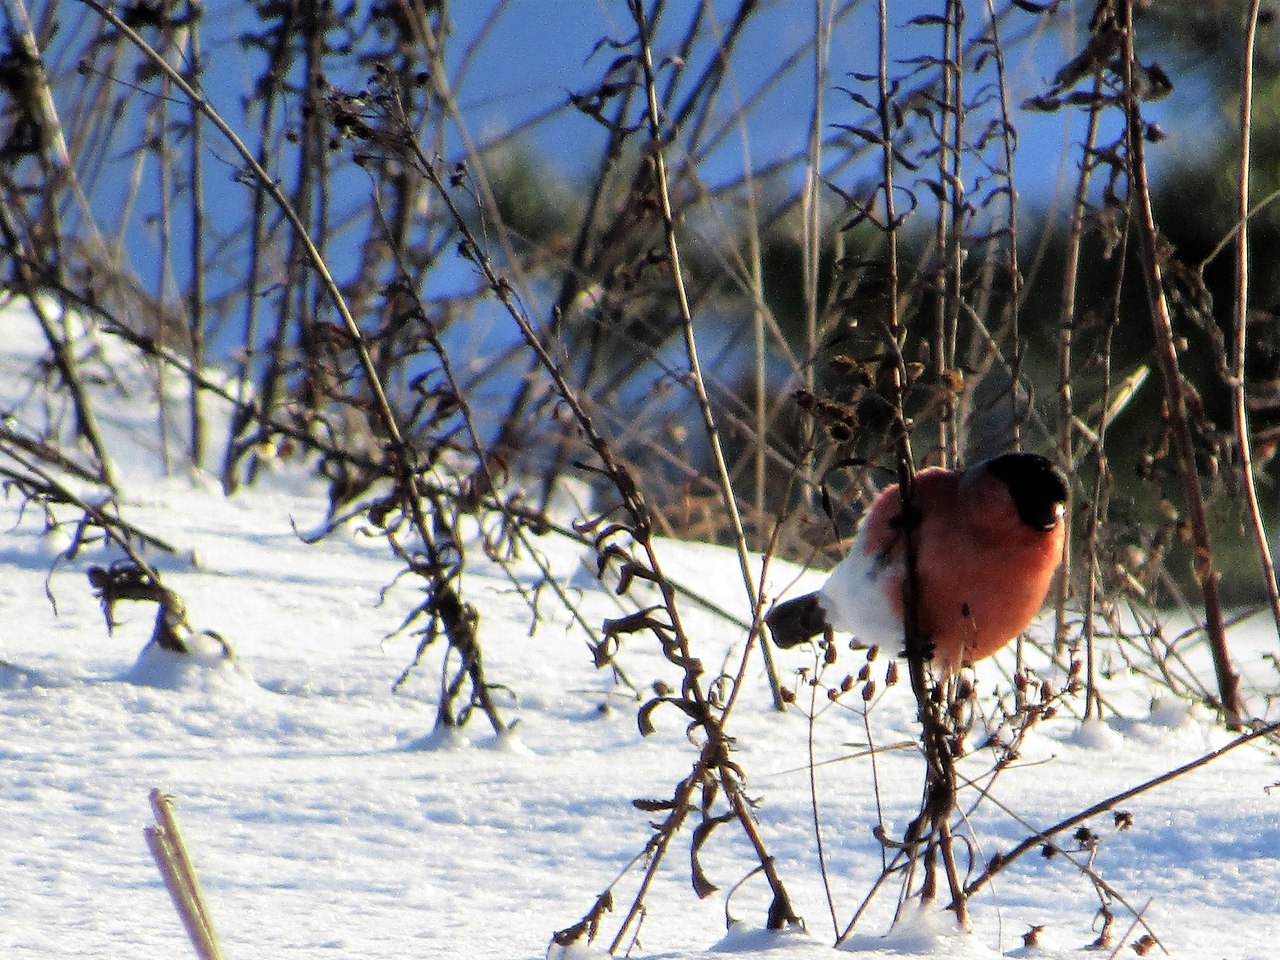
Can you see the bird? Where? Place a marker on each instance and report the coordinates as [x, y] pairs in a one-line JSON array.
[[988, 541]]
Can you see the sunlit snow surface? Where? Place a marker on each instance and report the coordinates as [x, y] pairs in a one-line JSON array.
[[326, 819]]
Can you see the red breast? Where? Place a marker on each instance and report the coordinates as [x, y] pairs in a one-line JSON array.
[[988, 541]]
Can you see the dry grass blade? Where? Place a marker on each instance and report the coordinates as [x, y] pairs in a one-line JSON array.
[[171, 856]]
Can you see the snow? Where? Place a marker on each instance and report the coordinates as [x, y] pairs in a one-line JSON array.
[[327, 818]]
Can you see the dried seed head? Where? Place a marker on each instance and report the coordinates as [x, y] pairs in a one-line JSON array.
[[872, 653], [891, 674], [864, 672], [846, 684], [868, 691]]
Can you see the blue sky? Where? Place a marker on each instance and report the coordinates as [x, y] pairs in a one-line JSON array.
[[540, 50], [516, 60]]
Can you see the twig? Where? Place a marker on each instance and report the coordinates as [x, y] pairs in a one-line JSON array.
[[1003, 860], [382, 404], [820, 654], [60, 347], [1066, 416], [694, 700], [696, 379], [811, 222], [1099, 883], [1175, 387], [1239, 402], [21, 32], [656, 848], [939, 798], [196, 306], [113, 526], [1137, 919]]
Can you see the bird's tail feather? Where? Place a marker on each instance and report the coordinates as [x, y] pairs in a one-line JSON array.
[[795, 621]]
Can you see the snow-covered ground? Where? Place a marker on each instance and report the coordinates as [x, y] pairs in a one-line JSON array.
[[323, 825]]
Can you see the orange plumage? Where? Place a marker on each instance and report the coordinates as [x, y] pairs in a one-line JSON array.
[[988, 540]]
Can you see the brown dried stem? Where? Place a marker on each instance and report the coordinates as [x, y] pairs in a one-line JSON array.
[[696, 379], [1175, 387], [1240, 324], [1002, 861]]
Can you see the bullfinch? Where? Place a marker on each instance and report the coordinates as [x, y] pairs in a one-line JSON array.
[[988, 540]]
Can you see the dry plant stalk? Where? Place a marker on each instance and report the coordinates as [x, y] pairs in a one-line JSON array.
[[715, 774], [405, 464], [1240, 319], [930, 832], [174, 861], [1206, 571], [642, 195], [1034, 842]]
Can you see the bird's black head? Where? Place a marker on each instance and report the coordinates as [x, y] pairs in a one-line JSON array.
[[1037, 486]]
